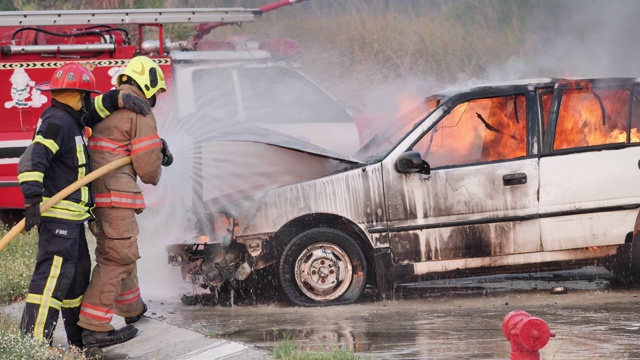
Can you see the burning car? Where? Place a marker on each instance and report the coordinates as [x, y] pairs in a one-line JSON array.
[[531, 175]]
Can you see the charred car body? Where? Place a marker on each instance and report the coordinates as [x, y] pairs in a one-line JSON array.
[[533, 175]]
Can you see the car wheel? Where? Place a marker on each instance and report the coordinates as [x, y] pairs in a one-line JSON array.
[[322, 266], [626, 266], [10, 218]]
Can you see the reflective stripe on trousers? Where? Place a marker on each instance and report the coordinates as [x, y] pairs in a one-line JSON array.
[[114, 283], [61, 276]]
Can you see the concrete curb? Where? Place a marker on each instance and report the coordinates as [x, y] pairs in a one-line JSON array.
[[160, 340]]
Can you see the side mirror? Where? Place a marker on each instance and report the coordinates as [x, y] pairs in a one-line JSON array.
[[410, 162]]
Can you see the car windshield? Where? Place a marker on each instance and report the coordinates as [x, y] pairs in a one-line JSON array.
[[266, 95], [386, 140]]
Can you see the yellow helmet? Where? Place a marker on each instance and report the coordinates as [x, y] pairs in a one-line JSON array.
[[146, 73]]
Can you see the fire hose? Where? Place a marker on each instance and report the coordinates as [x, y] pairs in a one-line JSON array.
[[64, 193]]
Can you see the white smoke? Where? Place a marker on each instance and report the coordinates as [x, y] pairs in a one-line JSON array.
[[587, 38]]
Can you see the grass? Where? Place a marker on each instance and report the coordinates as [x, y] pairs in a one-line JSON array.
[[14, 345], [17, 262], [287, 349]]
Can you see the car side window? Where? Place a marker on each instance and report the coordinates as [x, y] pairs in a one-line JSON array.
[[593, 117], [476, 131]]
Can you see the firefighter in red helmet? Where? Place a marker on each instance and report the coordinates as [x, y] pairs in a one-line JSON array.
[[114, 283], [57, 157]]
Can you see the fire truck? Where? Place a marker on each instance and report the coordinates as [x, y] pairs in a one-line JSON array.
[[34, 43]]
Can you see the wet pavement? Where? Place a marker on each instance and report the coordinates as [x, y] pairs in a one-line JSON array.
[[158, 340], [443, 319]]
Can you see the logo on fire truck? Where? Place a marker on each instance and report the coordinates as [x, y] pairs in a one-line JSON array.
[[23, 91], [114, 72], [23, 88]]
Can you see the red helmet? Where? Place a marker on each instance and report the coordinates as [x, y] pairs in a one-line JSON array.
[[71, 76]]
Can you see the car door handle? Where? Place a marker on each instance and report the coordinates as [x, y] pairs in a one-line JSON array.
[[514, 179]]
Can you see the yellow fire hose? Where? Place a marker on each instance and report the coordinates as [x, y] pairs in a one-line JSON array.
[[64, 193]]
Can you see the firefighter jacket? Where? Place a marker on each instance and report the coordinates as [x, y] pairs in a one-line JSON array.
[[56, 158], [125, 133], [103, 105]]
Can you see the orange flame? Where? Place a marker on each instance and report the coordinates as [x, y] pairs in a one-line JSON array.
[[481, 130], [495, 128], [510, 118], [588, 118], [410, 107]]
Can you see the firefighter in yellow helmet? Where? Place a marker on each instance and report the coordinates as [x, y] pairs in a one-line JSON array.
[[56, 158], [118, 198]]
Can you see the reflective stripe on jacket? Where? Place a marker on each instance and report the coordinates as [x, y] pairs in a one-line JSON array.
[[56, 158], [125, 133]]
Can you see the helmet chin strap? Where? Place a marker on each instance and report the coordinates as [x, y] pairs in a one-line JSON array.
[[86, 101]]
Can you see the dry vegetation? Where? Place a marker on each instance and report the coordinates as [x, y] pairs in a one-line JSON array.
[[366, 43]]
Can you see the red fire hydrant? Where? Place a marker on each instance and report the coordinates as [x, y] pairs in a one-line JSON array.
[[526, 334]]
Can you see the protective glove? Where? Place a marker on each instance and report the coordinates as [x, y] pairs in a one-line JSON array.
[[31, 215], [135, 104], [167, 158]]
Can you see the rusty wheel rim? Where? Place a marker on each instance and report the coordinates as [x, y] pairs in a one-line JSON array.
[[323, 271]]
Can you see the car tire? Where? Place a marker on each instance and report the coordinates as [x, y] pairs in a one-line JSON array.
[[322, 267], [625, 265], [9, 218]]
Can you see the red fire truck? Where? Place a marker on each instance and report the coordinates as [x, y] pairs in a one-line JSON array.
[[34, 43]]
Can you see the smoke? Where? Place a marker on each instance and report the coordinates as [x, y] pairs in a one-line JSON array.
[[166, 220], [216, 121], [576, 39], [588, 38]]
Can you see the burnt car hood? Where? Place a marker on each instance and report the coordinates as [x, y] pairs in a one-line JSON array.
[[257, 134], [244, 161]]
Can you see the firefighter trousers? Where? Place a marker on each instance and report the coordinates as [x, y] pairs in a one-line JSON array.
[[114, 282], [60, 278]]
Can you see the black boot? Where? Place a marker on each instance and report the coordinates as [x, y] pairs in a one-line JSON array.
[[134, 319], [98, 339]]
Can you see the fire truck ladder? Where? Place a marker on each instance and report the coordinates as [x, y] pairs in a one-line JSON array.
[[142, 17], [127, 16]]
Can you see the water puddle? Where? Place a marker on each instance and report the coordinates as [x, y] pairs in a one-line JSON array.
[[442, 319]]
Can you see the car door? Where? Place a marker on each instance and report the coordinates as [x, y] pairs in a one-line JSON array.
[[479, 202], [589, 174]]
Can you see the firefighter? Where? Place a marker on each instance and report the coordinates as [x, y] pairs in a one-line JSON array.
[[114, 283], [57, 157]]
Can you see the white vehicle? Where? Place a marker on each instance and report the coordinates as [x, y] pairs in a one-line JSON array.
[[534, 175], [254, 87]]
